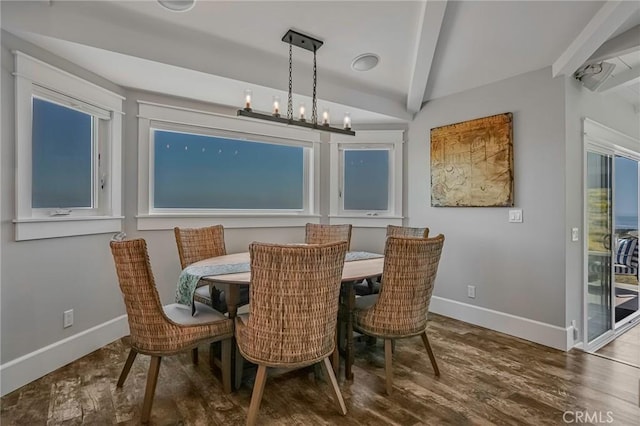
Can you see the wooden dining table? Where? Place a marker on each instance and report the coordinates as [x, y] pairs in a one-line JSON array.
[[354, 271]]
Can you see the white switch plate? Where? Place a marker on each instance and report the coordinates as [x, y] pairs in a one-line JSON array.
[[471, 291], [515, 216], [575, 234], [68, 318]]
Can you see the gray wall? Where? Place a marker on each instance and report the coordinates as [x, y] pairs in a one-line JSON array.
[[43, 278], [517, 268]]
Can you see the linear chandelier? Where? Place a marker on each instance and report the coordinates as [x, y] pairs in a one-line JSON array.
[[294, 38]]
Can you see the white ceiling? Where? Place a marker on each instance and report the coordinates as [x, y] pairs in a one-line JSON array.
[[219, 48]]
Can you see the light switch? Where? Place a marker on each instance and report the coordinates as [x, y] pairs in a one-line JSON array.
[[575, 236], [515, 215]]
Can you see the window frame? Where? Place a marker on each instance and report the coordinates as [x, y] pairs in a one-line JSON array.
[[153, 116], [37, 79], [390, 140]]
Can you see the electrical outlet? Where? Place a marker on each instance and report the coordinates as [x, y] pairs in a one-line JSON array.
[[471, 291], [68, 318]]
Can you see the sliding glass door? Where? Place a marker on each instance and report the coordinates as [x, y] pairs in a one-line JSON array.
[[599, 226], [625, 255]]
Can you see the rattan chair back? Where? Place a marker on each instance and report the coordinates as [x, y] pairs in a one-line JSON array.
[[410, 268], [322, 234], [195, 244], [294, 303], [151, 331], [405, 231]]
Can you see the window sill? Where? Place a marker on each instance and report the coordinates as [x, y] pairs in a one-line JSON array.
[[366, 221], [169, 221], [41, 228]]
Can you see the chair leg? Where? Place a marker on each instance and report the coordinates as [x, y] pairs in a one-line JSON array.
[[194, 355], [432, 357], [326, 364], [239, 369], [127, 367], [152, 380], [256, 395], [388, 365], [226, 365]]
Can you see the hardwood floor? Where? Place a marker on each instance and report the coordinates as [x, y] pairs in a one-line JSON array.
[[625, 348], [486, 378]]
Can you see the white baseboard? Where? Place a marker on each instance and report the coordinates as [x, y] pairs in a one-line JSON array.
[[524, 328], [29, 367]]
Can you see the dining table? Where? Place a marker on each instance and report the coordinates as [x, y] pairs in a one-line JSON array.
[[233, 271]]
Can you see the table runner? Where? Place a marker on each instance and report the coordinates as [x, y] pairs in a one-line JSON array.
[[189, 277]]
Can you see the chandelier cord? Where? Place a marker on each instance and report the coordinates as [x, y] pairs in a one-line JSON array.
[[290, 100], [314, 112]]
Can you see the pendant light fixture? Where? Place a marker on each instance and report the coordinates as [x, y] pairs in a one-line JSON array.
[[294, 38]]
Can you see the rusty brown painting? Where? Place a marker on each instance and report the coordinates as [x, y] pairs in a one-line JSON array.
[[472, 163]]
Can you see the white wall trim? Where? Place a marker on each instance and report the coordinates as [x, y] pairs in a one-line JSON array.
[[161, 222], [524, 328], [20, 371]]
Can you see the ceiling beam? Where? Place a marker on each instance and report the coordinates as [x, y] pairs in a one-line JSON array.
[[627, 42], [625, 78], [605, 22], [427, 40]]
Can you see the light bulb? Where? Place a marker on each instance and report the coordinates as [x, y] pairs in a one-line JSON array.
[[347, 121], [247, 99], [302, 112], [276, 106], [325, 117]]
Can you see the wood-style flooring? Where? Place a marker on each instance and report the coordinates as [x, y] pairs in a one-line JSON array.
[[625, 348], [487, 378]]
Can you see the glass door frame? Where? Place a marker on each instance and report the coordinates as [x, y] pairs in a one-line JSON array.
[[592, 147], [602, 140]]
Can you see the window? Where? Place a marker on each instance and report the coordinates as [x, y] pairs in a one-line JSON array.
[[195, 165], [194, 171], [366, 178], [68, 135]]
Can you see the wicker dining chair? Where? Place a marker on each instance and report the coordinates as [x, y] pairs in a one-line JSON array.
[[372, 285], [400, 310], [293, 311], [322, 234], [158, 330]]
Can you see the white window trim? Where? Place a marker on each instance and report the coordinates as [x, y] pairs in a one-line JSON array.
[[158, 116], [31, 77], [373, 139]]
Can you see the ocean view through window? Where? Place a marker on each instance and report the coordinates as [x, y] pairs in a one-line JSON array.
[[62, 156], [197, 171], [366, 179]]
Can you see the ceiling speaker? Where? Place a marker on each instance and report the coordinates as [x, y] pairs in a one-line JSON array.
[[592, 76]]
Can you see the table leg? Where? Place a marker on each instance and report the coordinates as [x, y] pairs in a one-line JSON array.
[[350, 305], [335, 356], [232, 295]]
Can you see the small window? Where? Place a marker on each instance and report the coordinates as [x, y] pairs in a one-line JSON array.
[[62, 157], [195, 171], [68, 148], [366, 179]]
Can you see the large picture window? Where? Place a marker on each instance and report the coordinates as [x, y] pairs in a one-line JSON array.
[[193, 171], [68, 136], [198, 167]]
